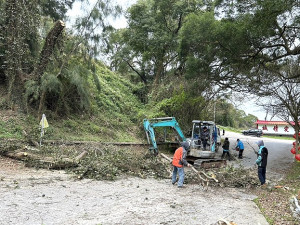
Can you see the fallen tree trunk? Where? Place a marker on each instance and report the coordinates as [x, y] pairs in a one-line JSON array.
[[36, 160]]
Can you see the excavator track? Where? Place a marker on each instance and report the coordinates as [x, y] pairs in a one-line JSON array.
[[207, 163]]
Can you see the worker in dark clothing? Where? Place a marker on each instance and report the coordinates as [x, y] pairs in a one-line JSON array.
[[240, 148], [179, 161], [225, 147], [261, 161], [204, 137]]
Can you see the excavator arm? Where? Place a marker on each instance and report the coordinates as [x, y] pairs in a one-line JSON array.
[[150, 124]]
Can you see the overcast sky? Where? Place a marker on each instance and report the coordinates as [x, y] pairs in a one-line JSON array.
[[250, 107], [77, 10]]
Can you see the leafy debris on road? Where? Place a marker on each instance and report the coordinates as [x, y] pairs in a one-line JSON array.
[[110, 162], [229, 177], [101, 162]]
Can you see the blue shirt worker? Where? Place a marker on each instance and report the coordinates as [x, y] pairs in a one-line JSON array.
[[261, 161], [240, 147], [179, 161]]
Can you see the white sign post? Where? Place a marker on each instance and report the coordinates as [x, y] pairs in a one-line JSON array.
[[44, 124]]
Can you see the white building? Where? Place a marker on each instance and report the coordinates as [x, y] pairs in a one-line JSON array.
[[275, 127]]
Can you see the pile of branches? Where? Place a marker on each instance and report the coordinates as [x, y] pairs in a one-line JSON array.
[[226, 177], [238, 177], [111, 162], [223, 177], [108, 162], [94, 161]]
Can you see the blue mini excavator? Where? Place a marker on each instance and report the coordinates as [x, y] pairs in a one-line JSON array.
[[197, 153]]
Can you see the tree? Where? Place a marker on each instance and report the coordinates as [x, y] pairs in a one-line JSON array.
[[149, 48], [185, 107], [272, 52], [285, 100], [19, 32], [225, 113], [55, 9], [246, 46], [85, 44], [149, 45], [228, 115], [248, 38]]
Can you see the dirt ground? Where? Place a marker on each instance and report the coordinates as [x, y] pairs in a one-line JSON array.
[[30, 196]]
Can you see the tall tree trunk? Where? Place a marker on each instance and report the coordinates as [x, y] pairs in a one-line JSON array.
[[48, 48], [41, 105], [50, 43], [15, 49], [159, 72]]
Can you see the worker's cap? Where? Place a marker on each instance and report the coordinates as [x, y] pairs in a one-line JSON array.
[[260, 143], [185, 144], [204, 127]]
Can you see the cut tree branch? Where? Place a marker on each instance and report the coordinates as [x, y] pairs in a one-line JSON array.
[[194, 170]]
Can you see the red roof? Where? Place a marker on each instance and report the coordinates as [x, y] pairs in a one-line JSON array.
[[265, 122]]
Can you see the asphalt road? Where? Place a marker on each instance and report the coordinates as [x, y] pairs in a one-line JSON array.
[[279, 158]]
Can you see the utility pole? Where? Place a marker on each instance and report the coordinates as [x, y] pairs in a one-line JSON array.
[[214, 111]]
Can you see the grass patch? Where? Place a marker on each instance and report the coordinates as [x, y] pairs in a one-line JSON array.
[[11, 129], [278, 137], [293, 176], [76, 127], [263, 210], [294, 172], [236, 130], [96, 129]]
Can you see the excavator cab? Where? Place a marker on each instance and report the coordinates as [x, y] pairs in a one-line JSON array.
[[204, 140]]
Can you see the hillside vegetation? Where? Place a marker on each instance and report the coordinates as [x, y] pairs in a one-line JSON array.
[[113, 115]]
